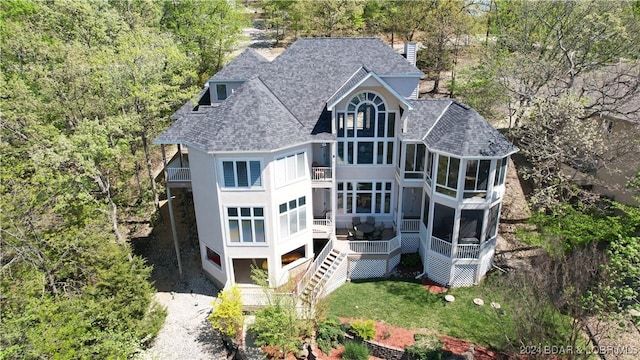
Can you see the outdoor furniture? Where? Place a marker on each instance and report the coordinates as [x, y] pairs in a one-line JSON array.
[[366, 228], [359, 235], [376, 234], [371, 220], [350, 234], [350, 228], [355, 221]]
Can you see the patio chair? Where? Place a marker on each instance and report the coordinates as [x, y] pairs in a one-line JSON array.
[[377, 235], [356, 220], [349, 235], [350, 228], [359, 235], [371, 220]]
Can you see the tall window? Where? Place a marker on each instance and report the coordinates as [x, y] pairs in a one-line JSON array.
[[246, 224], [429, 168], [293, 216], [492, 227], [470, 226], [221, 91], [414, 161], [476, 178], [366, 131], [425, 211], [443, 218], [364, 197], [241, 174], [291, 168], [501, 169], [447, 177]]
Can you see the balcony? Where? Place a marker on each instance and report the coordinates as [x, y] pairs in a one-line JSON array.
[[321, 176], [322, 228], [178, 174]]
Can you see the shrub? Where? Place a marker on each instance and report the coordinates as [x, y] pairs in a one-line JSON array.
[[426, 347], [355, 351], [329, 334], [226, 315], [277, 325], [410, 260], [364, 329]]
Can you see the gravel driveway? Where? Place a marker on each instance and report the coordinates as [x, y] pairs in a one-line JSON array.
[[187, 334]]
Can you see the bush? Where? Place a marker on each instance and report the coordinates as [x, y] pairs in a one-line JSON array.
[[277, 326], [410, 260], [329, 334], [355, 351], [226, 315], [364, 329], [426, 347]]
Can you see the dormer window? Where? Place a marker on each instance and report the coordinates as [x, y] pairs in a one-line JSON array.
[[221, 91]]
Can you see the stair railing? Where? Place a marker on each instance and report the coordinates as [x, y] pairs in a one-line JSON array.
[[314, 266]]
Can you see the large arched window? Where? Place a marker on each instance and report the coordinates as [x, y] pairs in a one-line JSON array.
[[366, 131]]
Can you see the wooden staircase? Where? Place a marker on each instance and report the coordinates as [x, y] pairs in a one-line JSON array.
[[322, 275]]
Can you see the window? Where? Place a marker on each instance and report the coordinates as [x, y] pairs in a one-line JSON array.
[[214, 257], [364, 197], [221, 91], [425, 211], [293, 216], [414, 161], [476, 178], [246, 224], [291, 168], [429, 168], [470, 226], [447, 176], [366, 117], [501, 169], [242, 174], [443, 218], [292, 256]]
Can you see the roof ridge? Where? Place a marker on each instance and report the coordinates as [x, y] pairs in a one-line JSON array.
[[279, 101], [444, 111]]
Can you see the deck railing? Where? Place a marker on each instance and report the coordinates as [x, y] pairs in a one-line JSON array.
[[468, 251], [314, 266], [410, 225], [440, 246], [178, 174], [321, 173], [374, 247]]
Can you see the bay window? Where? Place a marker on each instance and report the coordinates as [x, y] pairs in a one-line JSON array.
[[293, 216], [476, 178], [447, 177]]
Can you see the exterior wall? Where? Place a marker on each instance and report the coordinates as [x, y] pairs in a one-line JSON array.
[[207, 204], [405, 86], [232, 86]]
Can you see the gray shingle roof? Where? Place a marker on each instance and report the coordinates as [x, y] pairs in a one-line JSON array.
[[254, 120], [312, 70], [462, 131], [243, 67], [284, 103]]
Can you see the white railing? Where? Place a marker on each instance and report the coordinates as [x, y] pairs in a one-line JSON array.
[[314, 266], [440, 246], [320, 173], [321, 222], [374, 247], [178, 174], [410, 225], [468, 251], [322, 226]]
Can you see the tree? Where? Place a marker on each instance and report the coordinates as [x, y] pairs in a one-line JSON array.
[[330, 17], [206, 30], [545, 53], [226, 315]]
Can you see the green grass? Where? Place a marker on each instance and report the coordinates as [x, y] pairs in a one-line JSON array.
[[409, 305]]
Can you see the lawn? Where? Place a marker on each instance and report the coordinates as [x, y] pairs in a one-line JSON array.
[[408, 304]]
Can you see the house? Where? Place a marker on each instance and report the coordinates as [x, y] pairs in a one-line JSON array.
[[285, 156]]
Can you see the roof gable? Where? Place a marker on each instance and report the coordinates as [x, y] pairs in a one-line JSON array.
[[243, 67]]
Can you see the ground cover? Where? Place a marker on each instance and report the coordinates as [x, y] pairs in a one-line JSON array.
[[408, 304]]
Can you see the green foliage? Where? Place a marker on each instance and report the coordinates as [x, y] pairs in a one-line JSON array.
[[410, 260], [623, 291], [226, 315], [363, 329], [277, 325], [329, 334], [355, 351]]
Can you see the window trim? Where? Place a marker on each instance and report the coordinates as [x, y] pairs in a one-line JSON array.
[[288, 212], [228, 218], [248, 161], [282, 161]]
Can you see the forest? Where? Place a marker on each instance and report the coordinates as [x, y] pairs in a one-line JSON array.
[[87, 85]]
